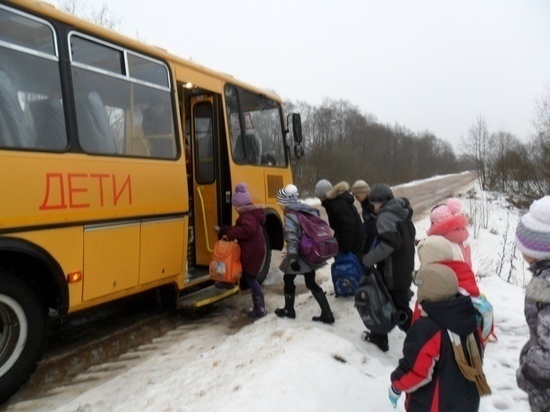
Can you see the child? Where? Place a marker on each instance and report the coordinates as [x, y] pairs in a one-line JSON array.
[[249, 233], [449, 222], [292, 263], [435, 371], [533, 240], [361, 190], [393, 254], [343, 216]]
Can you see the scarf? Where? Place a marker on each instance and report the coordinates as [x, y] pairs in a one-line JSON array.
[[471, 368]]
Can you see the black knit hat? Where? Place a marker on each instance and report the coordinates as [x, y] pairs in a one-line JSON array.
[[381, 192]]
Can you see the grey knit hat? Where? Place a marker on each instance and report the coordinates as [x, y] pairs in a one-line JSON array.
[[381, 192], [322, 187]]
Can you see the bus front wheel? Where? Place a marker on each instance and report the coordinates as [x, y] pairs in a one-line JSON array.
[[22, 333]]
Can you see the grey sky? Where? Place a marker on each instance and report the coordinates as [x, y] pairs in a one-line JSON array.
[[426, 64]]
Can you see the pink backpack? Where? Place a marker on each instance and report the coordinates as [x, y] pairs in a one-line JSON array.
[[317, 243]]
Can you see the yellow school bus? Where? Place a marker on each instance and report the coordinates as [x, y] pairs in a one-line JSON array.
[[118, 159]]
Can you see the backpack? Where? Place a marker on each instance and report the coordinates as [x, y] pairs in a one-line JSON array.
[[317, 243], [225, 265], [375, 305], [346, 274], [484, 316]]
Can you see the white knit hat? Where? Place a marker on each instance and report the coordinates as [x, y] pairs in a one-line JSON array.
[[289, 194], [533, 231], [435, 249]]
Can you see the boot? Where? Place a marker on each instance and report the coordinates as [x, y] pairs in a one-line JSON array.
[[288, 310], [326, 314], [259, 310], [379, 340]]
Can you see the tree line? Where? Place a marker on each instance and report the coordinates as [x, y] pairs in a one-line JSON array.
[[508, 165], [342, 143]]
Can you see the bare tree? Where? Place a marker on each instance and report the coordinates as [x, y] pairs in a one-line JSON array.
[[476, 144]]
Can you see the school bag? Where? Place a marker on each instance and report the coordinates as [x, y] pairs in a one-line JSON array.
[[317, 243], [484, 316], [375, 305], [346, 274], [225, 265]]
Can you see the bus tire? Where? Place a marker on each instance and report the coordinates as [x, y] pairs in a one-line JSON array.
[[267, 260], [23, 332]]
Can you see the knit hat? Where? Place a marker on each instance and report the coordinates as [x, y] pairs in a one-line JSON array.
[[381, 192], [287, 195], [436, 283], [322, 187], [435, 249], [241, 197], [533, 231], [442, 213], [360, 188]]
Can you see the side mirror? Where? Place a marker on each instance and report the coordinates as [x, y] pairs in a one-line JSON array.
[[297, 128]]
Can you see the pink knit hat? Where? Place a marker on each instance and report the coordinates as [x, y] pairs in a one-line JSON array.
[[241, 197], [442, 213]]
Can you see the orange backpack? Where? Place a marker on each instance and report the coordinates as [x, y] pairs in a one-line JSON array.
[[225, 265]]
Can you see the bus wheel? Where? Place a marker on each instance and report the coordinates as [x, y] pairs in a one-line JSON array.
[[22, 333], [267, 260]]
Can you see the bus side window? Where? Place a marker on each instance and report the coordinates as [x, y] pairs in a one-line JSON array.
[[14, 129], [94, 129], [49, 123]]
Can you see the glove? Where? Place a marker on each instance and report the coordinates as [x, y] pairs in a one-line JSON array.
[[394, 395], [294, 264]]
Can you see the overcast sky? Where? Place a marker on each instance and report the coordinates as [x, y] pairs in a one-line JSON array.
[[425, 64]]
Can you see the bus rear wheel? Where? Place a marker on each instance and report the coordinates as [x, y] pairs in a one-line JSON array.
[[22, 333]]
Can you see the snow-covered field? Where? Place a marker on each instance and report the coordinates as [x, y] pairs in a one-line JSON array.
[[298, 365]]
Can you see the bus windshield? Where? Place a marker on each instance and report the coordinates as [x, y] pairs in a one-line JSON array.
[[256, 128]]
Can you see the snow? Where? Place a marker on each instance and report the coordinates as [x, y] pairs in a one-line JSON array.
[[278, 364]]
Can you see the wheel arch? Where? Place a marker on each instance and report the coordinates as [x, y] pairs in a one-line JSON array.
[[274, 228], [36, 266]]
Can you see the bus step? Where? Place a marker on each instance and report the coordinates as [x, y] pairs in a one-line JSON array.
[[204, 297]]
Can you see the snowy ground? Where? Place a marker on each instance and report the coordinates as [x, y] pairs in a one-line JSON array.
[[298, 365]]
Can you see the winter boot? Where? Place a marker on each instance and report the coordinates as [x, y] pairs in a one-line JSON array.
[[259, 310], [288, 310], [326, 314], [379, 340]]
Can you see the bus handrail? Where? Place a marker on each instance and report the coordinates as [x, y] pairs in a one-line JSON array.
[[204, 221]]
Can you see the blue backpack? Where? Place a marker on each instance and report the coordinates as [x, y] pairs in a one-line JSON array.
[[346, 274]]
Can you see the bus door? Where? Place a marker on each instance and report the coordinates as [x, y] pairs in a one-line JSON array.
[[205, 191]]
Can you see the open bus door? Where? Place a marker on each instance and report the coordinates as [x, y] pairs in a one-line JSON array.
[[205, 181]]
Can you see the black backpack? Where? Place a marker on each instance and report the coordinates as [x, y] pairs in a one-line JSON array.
[[375, 305]]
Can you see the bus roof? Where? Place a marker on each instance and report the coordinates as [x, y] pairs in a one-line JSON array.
[[48, 10]]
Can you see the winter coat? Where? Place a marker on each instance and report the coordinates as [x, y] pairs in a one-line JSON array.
[[344, 219], [456, 231], [293, 234], [369, 224], [428, 371], [394, 253], [249, 233], [533, 375]]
